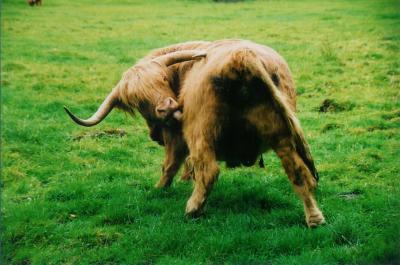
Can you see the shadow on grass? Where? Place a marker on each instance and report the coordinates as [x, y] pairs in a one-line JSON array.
[[248, 200]]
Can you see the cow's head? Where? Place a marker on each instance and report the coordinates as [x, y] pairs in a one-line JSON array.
[[146, 88]]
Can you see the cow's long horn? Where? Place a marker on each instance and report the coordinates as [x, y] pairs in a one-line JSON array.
[[180, 56], [105, 108]]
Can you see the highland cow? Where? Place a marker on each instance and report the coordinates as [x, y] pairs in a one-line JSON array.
[[233, 105]]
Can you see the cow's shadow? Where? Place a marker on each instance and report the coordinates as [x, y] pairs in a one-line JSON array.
[[272, 205], [232, 198]]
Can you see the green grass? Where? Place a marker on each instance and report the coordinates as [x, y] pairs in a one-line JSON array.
[[92, 201]]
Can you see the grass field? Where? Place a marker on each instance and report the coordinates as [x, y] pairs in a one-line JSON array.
[[73, 195]]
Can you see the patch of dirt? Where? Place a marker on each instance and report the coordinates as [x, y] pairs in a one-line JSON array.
[[331, 105], [100, 134], [330, 126]]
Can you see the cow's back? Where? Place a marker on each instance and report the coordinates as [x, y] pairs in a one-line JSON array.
[[218, 51]]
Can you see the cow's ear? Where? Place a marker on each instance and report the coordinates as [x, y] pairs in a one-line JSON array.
[[166, 108]]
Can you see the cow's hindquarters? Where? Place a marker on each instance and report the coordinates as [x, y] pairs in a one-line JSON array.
[[239, 91]]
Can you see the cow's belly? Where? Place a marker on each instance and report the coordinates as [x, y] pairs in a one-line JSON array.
[[245, 136], [239, 144]]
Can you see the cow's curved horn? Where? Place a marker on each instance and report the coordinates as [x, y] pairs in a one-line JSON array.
[[180, 56], [105, 108]]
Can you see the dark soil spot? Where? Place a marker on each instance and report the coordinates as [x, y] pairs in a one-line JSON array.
[[330, 126], [100, 134], [331, 105]]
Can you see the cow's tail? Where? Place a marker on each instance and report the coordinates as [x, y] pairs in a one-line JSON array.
[[256, 68]]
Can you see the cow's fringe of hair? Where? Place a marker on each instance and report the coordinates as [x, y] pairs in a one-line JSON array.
[[140, 84], [255, 65]]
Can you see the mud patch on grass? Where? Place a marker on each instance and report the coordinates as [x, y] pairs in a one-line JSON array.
[[100, 134], [330, 127], [331, 105]]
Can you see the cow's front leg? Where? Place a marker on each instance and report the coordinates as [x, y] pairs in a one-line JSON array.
[[302, 180], [175, 154], [170, 167], [205, 172]]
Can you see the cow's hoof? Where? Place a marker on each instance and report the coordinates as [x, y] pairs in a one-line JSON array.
[[163, 183], [315, 220], [194, 207]]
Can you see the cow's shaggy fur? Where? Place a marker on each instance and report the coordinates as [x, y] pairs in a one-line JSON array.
[[237, 103]]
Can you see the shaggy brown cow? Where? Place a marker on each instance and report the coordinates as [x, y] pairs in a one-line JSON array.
[[237, 103]]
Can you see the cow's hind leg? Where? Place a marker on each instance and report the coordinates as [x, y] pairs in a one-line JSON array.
[[206, 171], [302, 180]]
